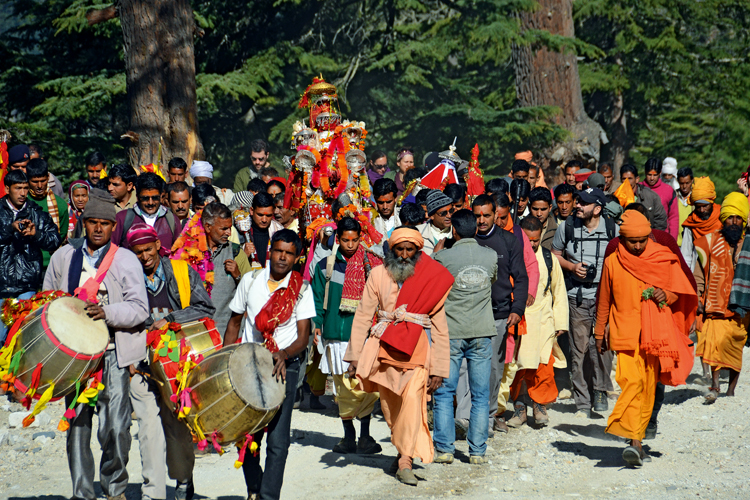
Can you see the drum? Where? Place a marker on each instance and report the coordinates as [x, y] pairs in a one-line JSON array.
[[201, 339], [67, 343], [234, 393]]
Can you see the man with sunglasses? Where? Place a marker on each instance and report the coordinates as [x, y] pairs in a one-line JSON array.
[[149, 189], [439, 210]]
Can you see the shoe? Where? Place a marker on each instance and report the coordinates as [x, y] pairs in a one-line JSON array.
[[253, 496], [632, 456], [540, 414], [499, 424], [345, 446], [600, 401], [184, 491], [443, 458], [462, 427], [315, 403], [582, 414], [121, 496], [368, 446], [651, 431], [407, 476], [477, 460], [519, 417], [565, 394]]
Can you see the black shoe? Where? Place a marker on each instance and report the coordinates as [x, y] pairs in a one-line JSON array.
[[184, 491], [600, 401], [368, 446], [345, 446], [651, 431]]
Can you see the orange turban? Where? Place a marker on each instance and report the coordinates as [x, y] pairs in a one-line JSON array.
[[634, 224], [703, 190], [401, 234]]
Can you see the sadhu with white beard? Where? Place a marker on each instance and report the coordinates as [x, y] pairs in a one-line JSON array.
[[406, 354]]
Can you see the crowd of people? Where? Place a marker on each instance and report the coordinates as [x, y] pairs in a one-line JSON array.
[[522, 294]]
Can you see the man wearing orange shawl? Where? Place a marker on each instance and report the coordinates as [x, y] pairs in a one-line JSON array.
[[406, 354], [702, 221], [722, 334], [649, 304]]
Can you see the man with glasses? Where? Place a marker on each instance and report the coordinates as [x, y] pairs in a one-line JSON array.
[[439, 210], [149, 189], [580, 245]]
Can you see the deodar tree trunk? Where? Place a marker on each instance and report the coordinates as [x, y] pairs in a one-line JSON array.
[[544, 77], [160, 67]]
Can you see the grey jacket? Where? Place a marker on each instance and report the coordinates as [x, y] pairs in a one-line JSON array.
[[651, 200], [468, 307], [128, 303], [200, 303]]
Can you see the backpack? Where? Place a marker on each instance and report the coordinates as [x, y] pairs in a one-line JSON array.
[[130, 217], [547, 256]]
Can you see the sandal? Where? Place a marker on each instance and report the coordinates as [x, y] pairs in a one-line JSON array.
[[713, 393]]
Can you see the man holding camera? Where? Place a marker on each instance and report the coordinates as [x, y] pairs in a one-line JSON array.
[[580, 244]]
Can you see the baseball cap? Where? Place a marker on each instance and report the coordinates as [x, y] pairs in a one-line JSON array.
[[592, 195]]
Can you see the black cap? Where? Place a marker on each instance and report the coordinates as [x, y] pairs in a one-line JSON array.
[[592, 195]]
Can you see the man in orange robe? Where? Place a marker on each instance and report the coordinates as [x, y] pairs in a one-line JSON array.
[[702, 221], [649, 304], [723, 332], [406, 354]]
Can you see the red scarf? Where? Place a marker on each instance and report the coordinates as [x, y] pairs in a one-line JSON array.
[[702, 227], [422, 292], [355, 278], [278, 310]]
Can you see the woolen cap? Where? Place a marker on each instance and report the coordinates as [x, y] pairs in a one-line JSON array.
[[101, 205], [437, 200]]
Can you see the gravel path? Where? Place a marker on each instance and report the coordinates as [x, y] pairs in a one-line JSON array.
[[700, 451]]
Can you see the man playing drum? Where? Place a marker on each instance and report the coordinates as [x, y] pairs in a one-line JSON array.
[[279, 308], [169, 301], [110, 280]]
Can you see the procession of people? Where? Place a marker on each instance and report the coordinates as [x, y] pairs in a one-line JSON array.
[[423, 292]]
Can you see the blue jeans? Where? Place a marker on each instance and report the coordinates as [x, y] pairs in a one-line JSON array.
[[4, 329], [478, 354]]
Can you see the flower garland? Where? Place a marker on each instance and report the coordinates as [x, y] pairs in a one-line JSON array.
[[192, 247], [14, 310]]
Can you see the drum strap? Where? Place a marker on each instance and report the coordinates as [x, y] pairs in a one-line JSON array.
[[180, 268], [90, 288]]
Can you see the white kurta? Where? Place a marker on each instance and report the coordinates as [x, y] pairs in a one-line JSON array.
[[547, 315]]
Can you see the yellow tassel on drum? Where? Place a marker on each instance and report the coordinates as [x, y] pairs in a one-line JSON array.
[[40, 405]]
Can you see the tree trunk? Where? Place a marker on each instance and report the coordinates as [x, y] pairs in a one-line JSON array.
[[160, 68], [546, 78]]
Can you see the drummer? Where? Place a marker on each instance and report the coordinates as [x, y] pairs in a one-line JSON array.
[[276, 300], [119, 299], [165, 301]]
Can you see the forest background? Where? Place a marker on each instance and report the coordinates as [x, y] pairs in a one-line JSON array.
[[661, 77]]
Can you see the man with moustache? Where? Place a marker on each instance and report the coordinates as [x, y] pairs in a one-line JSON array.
[[178, 198], [438, 227], [405, 356], [702, 221], [384, 191], [565, 202], [262, 229]]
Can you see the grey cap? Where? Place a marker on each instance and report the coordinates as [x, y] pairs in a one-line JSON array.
[[101, 205], [596, 180], [437, 200]]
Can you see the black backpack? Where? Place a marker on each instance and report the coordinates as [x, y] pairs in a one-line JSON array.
[[547, 255]]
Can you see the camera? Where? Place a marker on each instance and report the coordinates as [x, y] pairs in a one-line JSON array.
[[590, 273]]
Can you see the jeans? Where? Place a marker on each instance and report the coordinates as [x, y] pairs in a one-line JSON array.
[[478, 354], [268, 483], [4, 329]]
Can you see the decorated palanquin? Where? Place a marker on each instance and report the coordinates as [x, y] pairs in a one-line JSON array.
[[328, 165]]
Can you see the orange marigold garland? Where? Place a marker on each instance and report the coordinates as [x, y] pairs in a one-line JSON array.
[[192, 247]]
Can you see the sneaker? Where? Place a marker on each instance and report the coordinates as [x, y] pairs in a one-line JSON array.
[[443, 458], [407, 476], [519, 416], [651, 431], [499, 424], [184, 491], [632, 456], [582, 414], [121, 496], [540, 414], [477, 460], [345, 446], [600, 401], [368, 446], [462, 427]]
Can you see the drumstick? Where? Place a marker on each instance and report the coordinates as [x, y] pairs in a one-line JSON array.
[[148, 375]]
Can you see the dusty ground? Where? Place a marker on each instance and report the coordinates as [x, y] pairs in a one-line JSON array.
[[700, 452]]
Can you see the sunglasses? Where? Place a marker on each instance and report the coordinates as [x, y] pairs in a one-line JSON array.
[[443, 213], [150, 198]]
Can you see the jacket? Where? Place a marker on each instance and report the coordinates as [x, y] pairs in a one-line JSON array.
[[200, 303], [548, 232], [652, 202], [128, 300], [379, 224], [167, 236], [62, 208], [335, 324], [468, 307], [21, 258], [506, 297], [429, 237]]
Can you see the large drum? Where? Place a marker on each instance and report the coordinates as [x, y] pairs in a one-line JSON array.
[[201, 340], [234, 393], [67, 343]]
